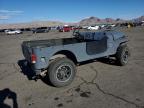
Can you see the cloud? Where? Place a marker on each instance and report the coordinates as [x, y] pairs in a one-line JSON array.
[[4, 17], [7, 14], [11, 11]]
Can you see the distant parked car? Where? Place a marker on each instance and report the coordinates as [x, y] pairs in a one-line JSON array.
[[41, 30], [75, 28], [65, 29], [53, 28], [113, 25], [13, 31], [2, 30], [84, 27], [102, 26], [93, 27]]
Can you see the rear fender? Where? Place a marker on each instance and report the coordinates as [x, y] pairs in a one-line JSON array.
[[57, 56]]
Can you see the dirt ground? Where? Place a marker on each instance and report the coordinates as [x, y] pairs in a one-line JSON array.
[[98, 84]]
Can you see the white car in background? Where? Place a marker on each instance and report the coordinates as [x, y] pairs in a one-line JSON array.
[[113, 25], [93, 27], [84, 27], [102, 26], [13, 31]]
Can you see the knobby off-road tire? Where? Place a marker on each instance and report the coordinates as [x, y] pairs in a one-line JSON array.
[[122, 55], [61, 72]]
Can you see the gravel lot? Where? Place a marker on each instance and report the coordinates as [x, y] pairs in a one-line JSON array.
[[98, 84]]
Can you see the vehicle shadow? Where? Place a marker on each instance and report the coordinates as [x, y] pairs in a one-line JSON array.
[[7, 93], [46, 81], [25, 69], [109, 61]]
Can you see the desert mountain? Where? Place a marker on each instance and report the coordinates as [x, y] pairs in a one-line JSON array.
[[96, 20], [87, 21], [139, 19], [31, 24]]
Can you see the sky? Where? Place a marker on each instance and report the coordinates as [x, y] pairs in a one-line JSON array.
[[19, 11]]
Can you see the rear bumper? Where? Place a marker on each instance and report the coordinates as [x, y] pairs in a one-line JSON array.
[[32, 68], [37, 72]]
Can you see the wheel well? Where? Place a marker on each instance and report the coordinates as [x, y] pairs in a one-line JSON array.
[[68, 54], [123, 43]]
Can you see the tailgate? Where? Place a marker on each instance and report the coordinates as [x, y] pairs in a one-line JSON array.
[[29, 46], [27, 51]]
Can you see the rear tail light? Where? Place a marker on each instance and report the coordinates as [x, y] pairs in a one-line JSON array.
[[33, 58]]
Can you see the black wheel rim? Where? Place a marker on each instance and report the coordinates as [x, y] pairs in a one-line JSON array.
[[63, 73], [125, 56]]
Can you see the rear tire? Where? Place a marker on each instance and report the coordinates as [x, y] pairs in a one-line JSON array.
[[122, 55], [61, 72]]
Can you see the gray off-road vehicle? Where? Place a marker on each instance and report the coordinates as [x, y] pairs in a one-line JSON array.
[[57, 58]]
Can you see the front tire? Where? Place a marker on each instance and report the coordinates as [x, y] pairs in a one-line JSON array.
[[122, 55], [61, 72]]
